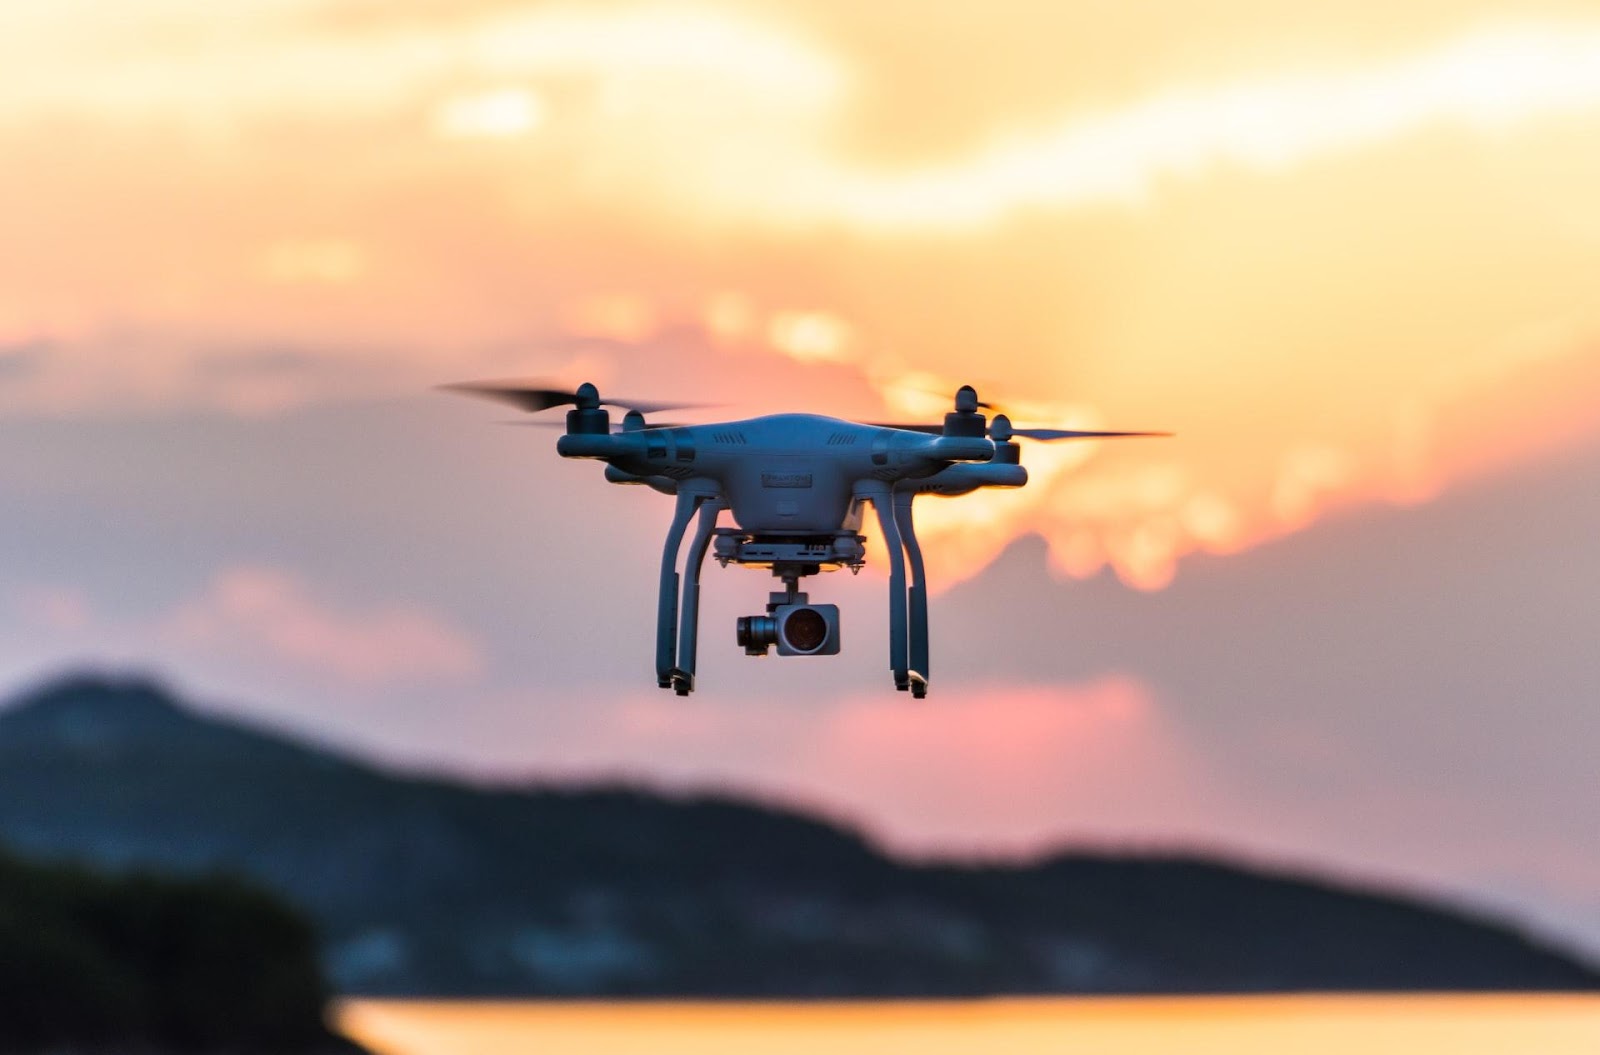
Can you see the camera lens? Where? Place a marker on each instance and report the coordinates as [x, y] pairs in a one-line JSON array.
[[805, 629], [756, 633]]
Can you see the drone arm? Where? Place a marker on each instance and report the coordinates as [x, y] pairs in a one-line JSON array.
[[689, 626], [665, 484], [957, 448], [604, 446], [917, 653], [964, 478], [883, 502], [667, 606]]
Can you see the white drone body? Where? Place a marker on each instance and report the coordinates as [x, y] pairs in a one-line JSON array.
[[795, 486]]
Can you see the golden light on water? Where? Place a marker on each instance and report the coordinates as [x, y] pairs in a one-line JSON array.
[[1306, 1025]]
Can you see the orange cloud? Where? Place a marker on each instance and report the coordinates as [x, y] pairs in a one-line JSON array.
[[1357, 277], [329, 260], [1483, 80]]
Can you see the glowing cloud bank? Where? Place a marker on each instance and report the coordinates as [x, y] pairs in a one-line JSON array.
[[1483, 81], [1329, 276]]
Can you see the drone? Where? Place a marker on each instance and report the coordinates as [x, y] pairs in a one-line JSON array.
[[796, 486]]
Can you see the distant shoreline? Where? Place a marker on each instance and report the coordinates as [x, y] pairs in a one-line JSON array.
[[423, 887]]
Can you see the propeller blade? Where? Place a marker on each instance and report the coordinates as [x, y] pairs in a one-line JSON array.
[[615, 427], [533, 398], [1031, 434], [525, 397], [1077, 434]]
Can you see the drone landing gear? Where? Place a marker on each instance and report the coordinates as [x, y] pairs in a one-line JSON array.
[[678, 617], [677, 638], [917, 597], [908, 608]]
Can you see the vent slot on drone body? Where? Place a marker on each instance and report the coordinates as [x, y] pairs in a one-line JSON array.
[[842, 439], [730, 437]]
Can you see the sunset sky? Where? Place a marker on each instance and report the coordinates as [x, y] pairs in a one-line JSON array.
[[1348, 252]]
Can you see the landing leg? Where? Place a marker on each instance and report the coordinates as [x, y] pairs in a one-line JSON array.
[[667, 606], [883, 502], [917, 653], [689, 626]]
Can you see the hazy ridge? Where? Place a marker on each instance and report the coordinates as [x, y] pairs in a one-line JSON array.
[[427, 887]]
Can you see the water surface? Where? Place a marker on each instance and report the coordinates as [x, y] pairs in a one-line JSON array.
[[1515, 1024]]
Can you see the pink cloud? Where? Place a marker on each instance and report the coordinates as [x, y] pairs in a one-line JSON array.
[[987, 769], [1012, 767], [263, 612], [59, 609]]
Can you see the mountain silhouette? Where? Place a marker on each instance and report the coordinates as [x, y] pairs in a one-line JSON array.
[[422, 886]]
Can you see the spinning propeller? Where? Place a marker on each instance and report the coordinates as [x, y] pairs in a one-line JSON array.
[[633, 421], [1000, 429], [534, 399]]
